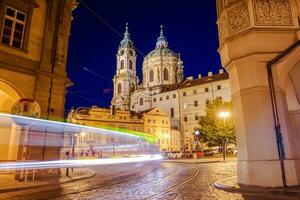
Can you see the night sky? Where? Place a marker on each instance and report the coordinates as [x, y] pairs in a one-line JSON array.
[[190, 28]]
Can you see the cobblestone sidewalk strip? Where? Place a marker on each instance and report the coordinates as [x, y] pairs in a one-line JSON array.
[[38, 184], [230, 185]]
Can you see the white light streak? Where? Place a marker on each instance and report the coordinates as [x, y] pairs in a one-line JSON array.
[[76, 163]]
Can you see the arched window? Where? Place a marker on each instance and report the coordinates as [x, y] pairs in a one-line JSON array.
[[130, 64], [122, 64], [151, 76], [119, 88], [166, 74], [141, 101], [172, 112]]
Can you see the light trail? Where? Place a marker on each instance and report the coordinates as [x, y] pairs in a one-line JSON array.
[[76, 163]]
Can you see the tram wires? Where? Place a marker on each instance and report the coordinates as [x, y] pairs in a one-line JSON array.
[[111, 28]]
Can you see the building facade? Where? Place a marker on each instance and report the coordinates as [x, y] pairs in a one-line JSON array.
[[163, 87], [265, 90], [152, 121], [34, 37]]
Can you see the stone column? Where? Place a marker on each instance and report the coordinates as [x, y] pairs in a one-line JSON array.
[[252, 33]]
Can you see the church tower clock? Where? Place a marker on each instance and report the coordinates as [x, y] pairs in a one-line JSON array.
[[125, 80]]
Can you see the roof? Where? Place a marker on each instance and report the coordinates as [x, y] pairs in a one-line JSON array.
[[172, 87], [162, 51], [204, 80]]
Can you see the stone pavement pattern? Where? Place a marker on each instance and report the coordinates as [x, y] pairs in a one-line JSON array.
[[172, 181]]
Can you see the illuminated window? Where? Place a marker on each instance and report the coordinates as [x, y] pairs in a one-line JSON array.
[[13, 27]]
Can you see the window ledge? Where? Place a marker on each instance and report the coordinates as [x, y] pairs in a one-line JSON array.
[[14, 48]]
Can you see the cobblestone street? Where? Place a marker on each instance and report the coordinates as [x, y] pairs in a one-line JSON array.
[[170, 181]]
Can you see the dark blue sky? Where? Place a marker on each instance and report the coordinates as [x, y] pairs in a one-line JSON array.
[[190, 28]]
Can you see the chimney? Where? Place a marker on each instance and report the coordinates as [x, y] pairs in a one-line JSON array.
[[209, 74], [199, 76], [221, 71]]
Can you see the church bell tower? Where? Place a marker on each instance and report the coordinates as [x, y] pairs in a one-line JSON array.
[[125, 80]]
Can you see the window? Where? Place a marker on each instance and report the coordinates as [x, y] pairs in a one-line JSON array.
[[219, 98], [174, 96], [131, 52], [166, 74], [151, 76], [132, 106], [163, 121], [207, 101], [172, 112], [196, 103], [195, 91], [185, 119], [141, 101], [149, 121], [122, 52], [207, 89], [154, 100], [13, 27], [184, 94], [122, 64], [219, 87], [130, 64], [119, 88], [196, 117], [167, 97], [160, 98], [154, 121]]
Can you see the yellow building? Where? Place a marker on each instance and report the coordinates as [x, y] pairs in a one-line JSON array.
[[33, 55], [152, 121]]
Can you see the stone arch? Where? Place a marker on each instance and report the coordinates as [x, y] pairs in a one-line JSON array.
[[9, 94]]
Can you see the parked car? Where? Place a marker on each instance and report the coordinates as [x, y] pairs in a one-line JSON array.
[[209, 152], [175, 154]]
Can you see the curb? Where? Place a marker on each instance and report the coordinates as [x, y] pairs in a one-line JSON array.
[[255, 189], [204, 162], [26, 187]]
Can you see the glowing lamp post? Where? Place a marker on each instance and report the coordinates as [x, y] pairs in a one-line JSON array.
[[224, 115]]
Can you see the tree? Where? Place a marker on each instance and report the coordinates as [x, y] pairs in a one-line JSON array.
[[214, 130]]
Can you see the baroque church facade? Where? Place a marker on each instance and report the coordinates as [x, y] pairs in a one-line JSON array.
[[161, 67]]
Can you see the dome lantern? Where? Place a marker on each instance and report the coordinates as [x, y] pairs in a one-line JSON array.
[[161, 40]]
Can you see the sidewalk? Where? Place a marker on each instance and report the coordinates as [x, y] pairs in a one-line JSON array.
[[10, 185], [201, 160], [231, 185]]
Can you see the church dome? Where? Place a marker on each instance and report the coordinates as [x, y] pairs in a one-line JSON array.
[[162, 48]]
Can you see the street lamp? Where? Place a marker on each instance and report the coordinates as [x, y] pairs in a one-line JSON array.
[[224, 115]]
